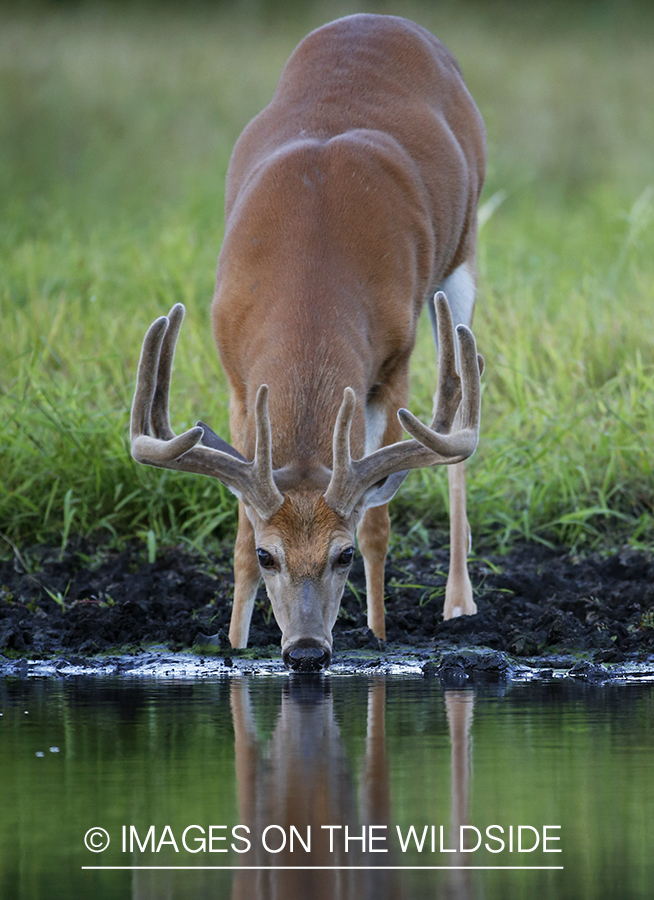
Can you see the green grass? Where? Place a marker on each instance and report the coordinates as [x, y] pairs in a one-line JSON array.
[[116, 127]]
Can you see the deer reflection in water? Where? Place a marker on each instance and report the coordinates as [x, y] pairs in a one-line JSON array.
[[302, 777], [459, 707]]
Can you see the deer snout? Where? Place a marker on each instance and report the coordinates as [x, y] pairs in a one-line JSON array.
[[306, 655]]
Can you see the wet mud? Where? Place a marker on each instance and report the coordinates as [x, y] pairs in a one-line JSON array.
[[537, 606]]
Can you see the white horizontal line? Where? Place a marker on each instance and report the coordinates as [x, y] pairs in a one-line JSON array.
[[310, 868]]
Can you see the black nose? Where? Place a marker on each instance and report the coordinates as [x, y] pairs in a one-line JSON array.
[[306, 656]]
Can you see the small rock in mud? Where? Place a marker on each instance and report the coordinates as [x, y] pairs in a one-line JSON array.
[[458, 669], [588, 671]]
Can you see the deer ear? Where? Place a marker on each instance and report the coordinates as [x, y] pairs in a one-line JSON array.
[[382, 492], [211, 439]]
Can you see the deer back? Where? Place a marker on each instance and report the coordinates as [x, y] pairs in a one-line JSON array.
[[349, 198]]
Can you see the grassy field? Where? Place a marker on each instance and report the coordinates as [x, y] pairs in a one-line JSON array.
[[116, 126]]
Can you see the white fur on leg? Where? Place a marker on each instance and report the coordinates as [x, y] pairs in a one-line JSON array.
[[460, 289], [458, 591]]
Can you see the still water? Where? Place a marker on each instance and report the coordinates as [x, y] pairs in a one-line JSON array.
[[338, 787]]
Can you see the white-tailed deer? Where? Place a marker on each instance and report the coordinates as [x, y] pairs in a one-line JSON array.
[[350, 200]]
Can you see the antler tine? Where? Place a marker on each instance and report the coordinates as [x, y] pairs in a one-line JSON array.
[[341, 482], [263, 468], [472, 365], [146, 379], [433, 445], [160, 416], [448, 386], [154, 442], [454, 392]]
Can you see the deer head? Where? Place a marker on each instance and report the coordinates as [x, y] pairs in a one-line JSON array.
[[304, 519]]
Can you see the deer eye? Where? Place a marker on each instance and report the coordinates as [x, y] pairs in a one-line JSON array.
[[266, 560], [346, 557]]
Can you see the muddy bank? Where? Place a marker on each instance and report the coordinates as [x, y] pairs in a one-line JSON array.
[[536, 606]]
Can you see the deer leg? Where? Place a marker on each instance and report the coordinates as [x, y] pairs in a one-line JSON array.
[[459, 288], [458, 591], [374, 531], [247, 576], [373, 534]]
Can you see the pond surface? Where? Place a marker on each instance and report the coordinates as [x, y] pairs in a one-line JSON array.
[[338, 787]]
